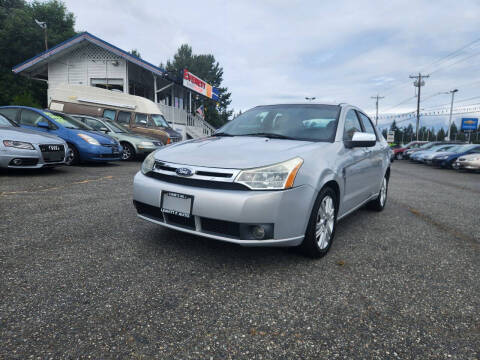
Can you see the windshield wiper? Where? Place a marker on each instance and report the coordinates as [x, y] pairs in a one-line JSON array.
[[222, 134], [271, 135]]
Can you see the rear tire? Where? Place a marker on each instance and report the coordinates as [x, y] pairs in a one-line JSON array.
[[73, 157], [322, 224], [128, 152], [379, 203]]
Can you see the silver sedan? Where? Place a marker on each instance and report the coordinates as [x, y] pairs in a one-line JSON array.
[[23, 148], [278, 175]]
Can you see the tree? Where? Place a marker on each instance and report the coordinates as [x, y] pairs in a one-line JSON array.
[[136, 53], [441, 134], [208, 69], [21, 39]]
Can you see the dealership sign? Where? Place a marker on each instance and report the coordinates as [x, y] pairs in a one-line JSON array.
[[469, 124], [198, 85]]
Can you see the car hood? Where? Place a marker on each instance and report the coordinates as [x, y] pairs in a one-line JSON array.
[[172, 133], [239, 152], [31, 136], [100, 137]]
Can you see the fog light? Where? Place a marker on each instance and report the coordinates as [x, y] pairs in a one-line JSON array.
[[258, 232], [17, 162]]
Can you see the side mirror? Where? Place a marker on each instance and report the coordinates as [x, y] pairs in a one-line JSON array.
[[43, 124], [361, 139], [104, 129]]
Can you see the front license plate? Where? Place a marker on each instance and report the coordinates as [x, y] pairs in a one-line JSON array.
[[176, 204]]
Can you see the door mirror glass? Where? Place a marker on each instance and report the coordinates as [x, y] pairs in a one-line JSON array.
[[43, 124], [361, 139]]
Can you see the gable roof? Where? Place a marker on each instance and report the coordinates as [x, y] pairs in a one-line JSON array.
[[44, 57]]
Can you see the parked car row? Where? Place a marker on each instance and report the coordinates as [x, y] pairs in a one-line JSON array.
[[34, 138], [443, 154]]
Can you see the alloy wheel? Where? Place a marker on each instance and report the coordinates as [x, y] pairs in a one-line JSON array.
[[325, 222], [383, 192]]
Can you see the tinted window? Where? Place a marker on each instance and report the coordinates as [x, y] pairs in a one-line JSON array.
[[5, 122], [352, 125], [109, 114], [299, 122], [141, 119], [10, 114], [31, 118], [94, 124], [367, 123], [124, 117]]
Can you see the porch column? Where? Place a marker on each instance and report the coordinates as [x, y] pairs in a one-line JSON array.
[[155, 89]]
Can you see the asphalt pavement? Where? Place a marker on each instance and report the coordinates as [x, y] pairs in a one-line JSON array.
[[82, 277]]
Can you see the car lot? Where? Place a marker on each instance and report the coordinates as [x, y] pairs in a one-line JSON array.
[[81, 275]]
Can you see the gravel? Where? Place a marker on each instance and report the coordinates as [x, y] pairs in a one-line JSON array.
[[83, 277]]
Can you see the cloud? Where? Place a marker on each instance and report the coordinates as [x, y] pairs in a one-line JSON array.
[[277, 51]]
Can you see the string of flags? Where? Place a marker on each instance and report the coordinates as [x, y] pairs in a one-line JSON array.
[[446, 111]]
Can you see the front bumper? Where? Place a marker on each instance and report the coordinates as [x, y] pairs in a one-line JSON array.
[[146, 150], [31, 159], [288, 210], [101, 153], [466, 165]]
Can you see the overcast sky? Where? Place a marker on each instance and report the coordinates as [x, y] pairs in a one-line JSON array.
[[281, 51]]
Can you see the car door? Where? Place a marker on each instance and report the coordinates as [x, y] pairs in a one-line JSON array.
[[375, 153], [358, 168]]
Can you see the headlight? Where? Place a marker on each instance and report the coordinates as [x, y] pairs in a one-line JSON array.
[[18, 144], [89, 139], [474, 159], [148, 163], [273, 177], [146, 144]]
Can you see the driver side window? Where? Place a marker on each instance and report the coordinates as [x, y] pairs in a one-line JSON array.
[[31, 118], [352, 125]]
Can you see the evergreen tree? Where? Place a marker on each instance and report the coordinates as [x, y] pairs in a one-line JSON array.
[[208, 69], [21, 38]]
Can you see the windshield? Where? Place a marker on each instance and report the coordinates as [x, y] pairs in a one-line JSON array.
[[298, 122], [67, 121], [116, 127], [159, 120], [5, 122]]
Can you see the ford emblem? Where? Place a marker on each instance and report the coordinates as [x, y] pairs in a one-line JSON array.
[[184, 172]]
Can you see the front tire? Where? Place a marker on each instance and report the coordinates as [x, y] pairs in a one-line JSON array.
[[321, 226], [73, 157], [128, 152], [379, 203]]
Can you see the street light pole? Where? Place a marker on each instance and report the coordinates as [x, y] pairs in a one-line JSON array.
[[451, 110], [43, 25]]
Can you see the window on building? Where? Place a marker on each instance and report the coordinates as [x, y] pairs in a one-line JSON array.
[[124, 117], [110, 114], [110, 84]]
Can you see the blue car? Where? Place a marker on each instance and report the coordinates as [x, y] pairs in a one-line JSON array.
[[447, 159], [84, 143]]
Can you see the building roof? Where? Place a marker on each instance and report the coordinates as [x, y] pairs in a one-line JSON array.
[[44, 57]]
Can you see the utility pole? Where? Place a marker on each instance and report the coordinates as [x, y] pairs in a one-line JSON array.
[[376, 105], [451, 110], [43, 25], [418, 83]]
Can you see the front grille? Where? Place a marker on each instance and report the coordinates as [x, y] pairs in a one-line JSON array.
[[207, 184], [180, 221], [108, 156], [221, 227], [148, 210], [52, 148], [167, 167]]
